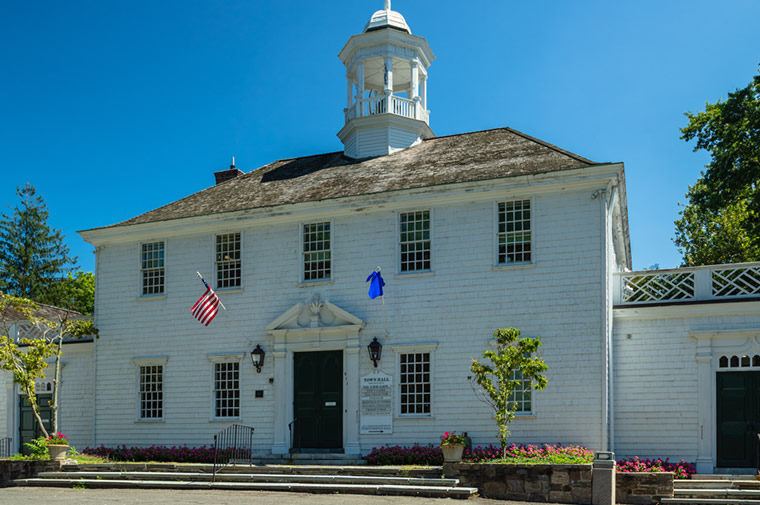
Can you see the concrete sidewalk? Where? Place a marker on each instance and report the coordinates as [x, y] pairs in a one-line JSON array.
[[58, 496]]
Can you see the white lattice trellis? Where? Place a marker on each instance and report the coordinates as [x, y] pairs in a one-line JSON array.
[[737, 281], [658, 287]]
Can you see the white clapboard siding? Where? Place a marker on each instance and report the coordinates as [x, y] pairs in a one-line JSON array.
[[458, 306]]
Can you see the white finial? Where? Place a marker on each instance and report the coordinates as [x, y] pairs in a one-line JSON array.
[[233, 162], [387, 5]]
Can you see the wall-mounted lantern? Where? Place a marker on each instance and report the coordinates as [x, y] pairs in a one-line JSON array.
[[375, 349], [257, 358]]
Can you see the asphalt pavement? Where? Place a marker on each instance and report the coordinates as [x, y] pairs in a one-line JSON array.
[[65, 496]]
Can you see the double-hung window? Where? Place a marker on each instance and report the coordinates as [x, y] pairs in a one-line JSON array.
[[414, 241], [414, 384], [521, 395], [152, 268], [151, 396], [514, 235], [227, 389], [228, 265], [317, 256]]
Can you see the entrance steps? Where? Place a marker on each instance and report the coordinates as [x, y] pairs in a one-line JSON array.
[[716, 489], [294, 478]]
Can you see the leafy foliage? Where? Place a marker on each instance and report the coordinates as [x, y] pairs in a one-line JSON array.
[[32, 255], [27, 364], [73, 292], [512, 354], [721, 221]]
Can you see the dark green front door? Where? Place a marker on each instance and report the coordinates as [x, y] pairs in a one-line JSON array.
[[318, 400], [29, 429], [738, 418]]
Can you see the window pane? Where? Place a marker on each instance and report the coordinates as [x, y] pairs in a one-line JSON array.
[[228, 262], [514, 236], [414, 385], [317, 259]]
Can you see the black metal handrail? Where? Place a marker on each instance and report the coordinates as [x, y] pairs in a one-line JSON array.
[[5, 447], [232, 444]]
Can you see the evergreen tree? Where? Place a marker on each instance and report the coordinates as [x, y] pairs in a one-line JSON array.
[[33, 257]]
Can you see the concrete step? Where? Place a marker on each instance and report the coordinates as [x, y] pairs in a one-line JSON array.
[[708, 501], [728, 492], [254, 477], [303, 487]]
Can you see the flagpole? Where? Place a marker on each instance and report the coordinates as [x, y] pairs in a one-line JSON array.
[[204, 283]]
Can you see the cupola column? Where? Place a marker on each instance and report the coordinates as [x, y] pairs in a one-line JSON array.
[[423, 92], [349, 92], [388, 81], [414, 80], [359, 87]]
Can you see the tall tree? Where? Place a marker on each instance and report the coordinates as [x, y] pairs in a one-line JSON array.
[[33, 256], [721, 221], [73, 292]]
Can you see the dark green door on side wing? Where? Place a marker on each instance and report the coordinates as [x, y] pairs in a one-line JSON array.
[[28, 427], [318, 400], [738, 406]]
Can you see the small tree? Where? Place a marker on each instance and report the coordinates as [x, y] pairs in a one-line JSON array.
[[26, 364], [512, 364]]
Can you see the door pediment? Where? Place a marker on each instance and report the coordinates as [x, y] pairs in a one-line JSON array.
[[315, 317]]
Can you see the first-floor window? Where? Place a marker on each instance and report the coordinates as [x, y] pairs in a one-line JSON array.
[[414, 383], [521, 395], [151, 392], [227, 389]]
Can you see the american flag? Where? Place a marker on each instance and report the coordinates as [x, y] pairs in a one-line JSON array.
[[206, 308]]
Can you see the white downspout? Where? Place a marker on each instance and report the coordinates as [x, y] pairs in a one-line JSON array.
[[608, 301]]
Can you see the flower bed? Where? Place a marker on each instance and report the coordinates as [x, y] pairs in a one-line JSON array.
[[431, 455], [174, 454], [681, 470]]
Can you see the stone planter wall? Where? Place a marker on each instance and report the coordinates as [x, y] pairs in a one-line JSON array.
[[12, 469], [556, 483], [640, 488], [536, 483]]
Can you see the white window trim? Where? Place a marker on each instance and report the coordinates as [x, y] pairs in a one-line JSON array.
[[152, 296], [495, 235], [398, 350], [150, 361], [397, 237], [242, 266], [301, 272], [236, 357]]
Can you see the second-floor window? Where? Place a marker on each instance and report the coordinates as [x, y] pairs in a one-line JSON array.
[[152, 268], [514, 232], [414, 241], [228, 268], [317, 257]]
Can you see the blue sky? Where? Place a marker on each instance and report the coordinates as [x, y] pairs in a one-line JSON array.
[[115, 108]]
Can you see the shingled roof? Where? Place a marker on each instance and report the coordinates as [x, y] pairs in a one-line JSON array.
[[477, 156]]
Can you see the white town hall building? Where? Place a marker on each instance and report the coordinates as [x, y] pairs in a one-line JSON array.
[[474, 232]]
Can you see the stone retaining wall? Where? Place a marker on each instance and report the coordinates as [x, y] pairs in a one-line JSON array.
[[24, 469], [642, 488], [536, 483], [556, 483]]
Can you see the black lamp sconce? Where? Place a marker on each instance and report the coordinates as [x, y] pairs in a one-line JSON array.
[[375, 349], [257, 358]]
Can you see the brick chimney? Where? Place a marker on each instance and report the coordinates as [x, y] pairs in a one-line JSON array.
[[226, 175]]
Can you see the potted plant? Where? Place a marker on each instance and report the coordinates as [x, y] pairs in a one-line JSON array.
[[452, 446], [58, 446]]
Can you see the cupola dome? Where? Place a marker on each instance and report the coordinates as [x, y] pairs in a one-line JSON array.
[[387, 18]]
